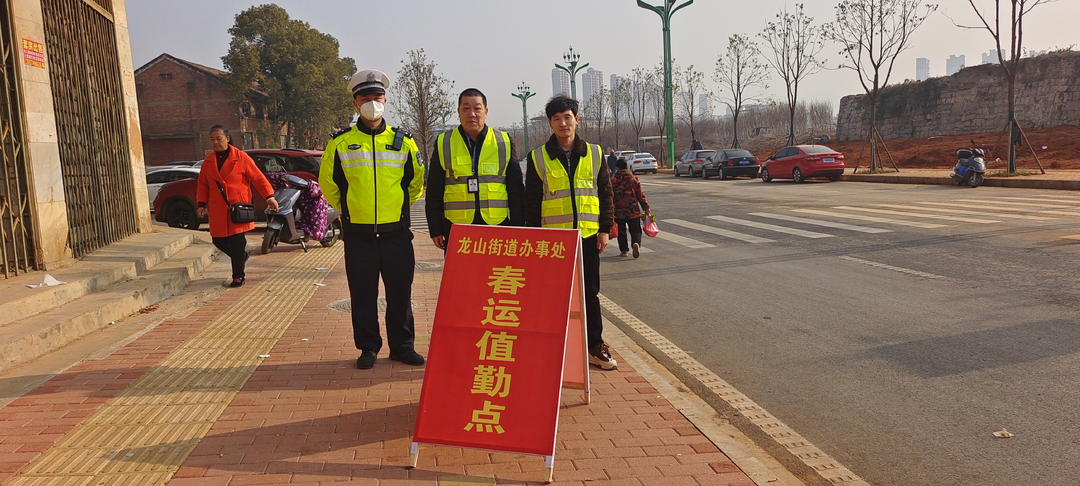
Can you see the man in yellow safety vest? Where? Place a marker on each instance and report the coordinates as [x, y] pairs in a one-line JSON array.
[[567, 185], [473, 176]]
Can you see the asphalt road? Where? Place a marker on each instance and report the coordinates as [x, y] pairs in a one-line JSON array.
[[897, 352]]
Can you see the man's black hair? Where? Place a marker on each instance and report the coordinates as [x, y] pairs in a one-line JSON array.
[[470, 92], [620, 164], [559, 104], [222, 128]]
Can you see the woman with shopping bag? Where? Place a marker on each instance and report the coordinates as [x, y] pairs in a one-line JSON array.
[[629, 203]]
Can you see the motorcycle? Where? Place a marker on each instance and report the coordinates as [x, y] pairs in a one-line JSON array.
[[970, 166], [288, 222]]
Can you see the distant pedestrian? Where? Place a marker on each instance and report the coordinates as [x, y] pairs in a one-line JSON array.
[[567, 186], [611, 160], [371, 173], [230, 171], [629, 203]]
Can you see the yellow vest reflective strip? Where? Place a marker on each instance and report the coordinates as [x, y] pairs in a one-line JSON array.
[[374, 174], [366, 158], [560, 202], [459, 206]]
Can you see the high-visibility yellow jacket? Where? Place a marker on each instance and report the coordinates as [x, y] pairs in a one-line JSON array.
[[459, 205], [567, 198], [372, 177]]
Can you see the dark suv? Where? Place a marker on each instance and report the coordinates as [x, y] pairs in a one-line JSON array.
[[175, 203]]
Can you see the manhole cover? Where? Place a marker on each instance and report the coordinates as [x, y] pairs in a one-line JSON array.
[[345, 305], [428, 265]]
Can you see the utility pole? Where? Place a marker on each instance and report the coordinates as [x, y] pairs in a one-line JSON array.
[[665, 12], [571, 59], [524, 94]]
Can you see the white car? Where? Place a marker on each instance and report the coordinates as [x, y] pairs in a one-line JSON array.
[[157, 178], [641, 162]]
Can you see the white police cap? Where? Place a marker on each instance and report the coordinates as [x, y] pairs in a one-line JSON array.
[[369, 81]]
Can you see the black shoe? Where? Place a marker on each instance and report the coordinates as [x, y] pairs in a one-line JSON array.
[[366, 361], [237, 282], [408, 356]]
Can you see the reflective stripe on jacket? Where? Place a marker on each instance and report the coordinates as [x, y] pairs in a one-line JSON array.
[[565, 198], [373, 173], [459, 206]]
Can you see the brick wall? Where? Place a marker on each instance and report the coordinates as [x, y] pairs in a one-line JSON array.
[[972, 100], [179, 103]]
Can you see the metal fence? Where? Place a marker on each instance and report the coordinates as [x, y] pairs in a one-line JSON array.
[[16, 221], [94, 153]]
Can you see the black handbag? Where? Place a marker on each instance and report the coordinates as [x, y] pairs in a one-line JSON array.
[[239, 212]]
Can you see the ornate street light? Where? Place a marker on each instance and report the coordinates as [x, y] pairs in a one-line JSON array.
[[571, 59], [524, 94], [665, 12]]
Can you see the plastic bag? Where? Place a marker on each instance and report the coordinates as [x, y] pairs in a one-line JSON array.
[[648, 225]]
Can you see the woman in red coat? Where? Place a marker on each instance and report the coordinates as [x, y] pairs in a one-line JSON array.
[[236, 173]]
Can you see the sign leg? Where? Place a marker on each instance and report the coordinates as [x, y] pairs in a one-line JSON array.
[[549, 463], [414, 453]]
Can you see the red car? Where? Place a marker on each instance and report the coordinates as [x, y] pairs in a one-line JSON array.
[[801, 162], [175, 203]]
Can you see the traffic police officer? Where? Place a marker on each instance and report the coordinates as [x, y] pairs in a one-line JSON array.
[[567, 186], [474, 177], [371, 173]]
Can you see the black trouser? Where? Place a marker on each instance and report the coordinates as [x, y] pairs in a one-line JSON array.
[[590, 260], [634, 226], [366, 257], [236, 247]]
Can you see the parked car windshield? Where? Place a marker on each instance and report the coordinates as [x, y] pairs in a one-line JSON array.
[[704, 153], [738, 153], [818, 149]]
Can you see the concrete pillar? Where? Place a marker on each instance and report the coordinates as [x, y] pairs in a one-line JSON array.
[[131, 112]]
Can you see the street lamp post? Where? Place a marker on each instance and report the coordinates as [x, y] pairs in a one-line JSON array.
[[571, 59], [524, 94], [665, 12]]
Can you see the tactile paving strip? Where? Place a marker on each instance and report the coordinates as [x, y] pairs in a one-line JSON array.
[[829, 469], [142, 436]]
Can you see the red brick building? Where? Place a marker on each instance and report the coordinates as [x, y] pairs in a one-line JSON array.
[[178, 103]]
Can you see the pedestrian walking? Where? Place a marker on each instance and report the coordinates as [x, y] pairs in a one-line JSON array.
[[629, 203], [556, 199], [472, 179], [611, 161], [225, 179], [371, 173]]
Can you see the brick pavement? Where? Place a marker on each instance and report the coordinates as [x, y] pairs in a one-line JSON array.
[[307, 416]]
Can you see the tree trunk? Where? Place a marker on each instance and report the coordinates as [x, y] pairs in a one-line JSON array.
[[1012, 121], [735, 129], [873, 131]]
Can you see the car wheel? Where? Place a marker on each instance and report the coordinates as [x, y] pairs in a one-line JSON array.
[[181, 215], [677, 174], [834, 178], [270, 239], [333, 234], [704, 173], [796, 175], [722, 176], [653, 171], [690, 171], [765, 177]]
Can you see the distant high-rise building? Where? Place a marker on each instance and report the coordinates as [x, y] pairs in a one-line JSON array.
[[592, 81], [954, 64], [992, 56], [922, 69], [560, 82], [705, 105]]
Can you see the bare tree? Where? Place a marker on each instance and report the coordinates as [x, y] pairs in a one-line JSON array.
[[872, 34], [599, 104], [795, 43], [638, 102], [1011, 66], [421, 96], [618, 105], [737, 72], [692, 86]]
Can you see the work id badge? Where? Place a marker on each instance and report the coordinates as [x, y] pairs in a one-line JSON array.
[[474, 185]]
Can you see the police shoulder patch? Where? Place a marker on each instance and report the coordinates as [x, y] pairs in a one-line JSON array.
[[341, 132]]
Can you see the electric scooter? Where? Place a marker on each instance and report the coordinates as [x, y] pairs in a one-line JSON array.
[[281, 225], [970, 166]]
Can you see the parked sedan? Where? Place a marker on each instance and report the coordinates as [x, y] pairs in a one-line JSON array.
[[160, 177], [641, 162], [730, 163], [801, 162], [175, 202], [691, 162]]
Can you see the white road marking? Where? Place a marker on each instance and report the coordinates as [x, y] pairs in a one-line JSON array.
[[1041, 199], [993, 207], [1011, 203], [961, 211], [717, 231], [827, 224], [890, 267], [874, 219], [682, 240], [916, 215], [772, 227], [830, 469]]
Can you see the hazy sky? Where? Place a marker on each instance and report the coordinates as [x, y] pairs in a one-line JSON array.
[[495, 44]]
